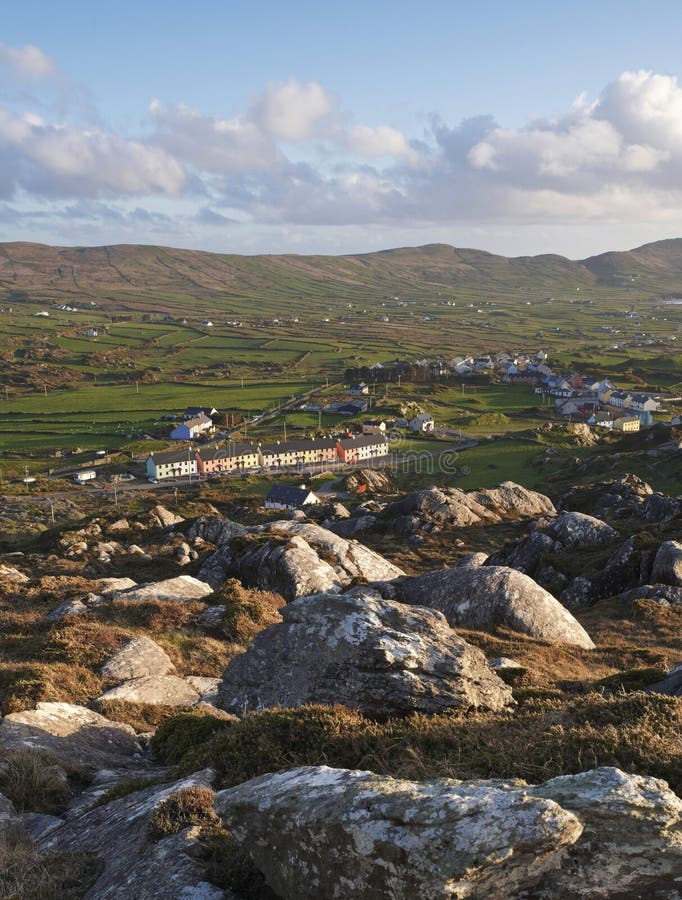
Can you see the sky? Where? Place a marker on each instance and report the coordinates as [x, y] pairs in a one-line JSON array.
[[268, 127]]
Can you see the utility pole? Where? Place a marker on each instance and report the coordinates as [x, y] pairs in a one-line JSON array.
[[137, 387], [45, 389], [285, 430], [52, 513]]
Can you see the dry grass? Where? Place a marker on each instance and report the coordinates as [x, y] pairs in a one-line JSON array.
[[22, 685], [26, 875], [188, 806], [143, 717], [247, 611], [34, 781], [196, 654]]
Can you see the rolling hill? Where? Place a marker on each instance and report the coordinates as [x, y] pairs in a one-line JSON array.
[[132, 275]]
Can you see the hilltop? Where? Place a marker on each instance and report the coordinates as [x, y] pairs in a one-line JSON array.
[[133, 272]]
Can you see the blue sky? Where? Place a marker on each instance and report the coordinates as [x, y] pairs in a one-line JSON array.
[[516, 127]]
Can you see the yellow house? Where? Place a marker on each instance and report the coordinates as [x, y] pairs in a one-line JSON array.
[[627, 423]]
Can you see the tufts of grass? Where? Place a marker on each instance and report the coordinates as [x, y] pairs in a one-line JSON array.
[[34, 781], [188, 806], [23, 685], [247, 611], [143, 717], [26, 875]]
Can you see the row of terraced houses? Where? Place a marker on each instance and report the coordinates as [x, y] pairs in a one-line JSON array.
[[205, 461]]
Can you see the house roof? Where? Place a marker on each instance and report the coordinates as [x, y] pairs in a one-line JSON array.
[[193, 411], [363, 440], [173, 456], [299, 446], [224, 452]]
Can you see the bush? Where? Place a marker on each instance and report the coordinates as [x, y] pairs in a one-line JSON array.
[[188, 806], [34, 781], [181, 739], [247, 611]]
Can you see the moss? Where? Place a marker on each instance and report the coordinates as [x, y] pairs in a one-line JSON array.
[[188, 806]]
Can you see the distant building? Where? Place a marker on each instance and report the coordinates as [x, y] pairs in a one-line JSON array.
[[193, 411], [191, 428], [361, 447], [172, 464], [281, 497], [358, 390], [373, 426], [422, 422], [627, 423]]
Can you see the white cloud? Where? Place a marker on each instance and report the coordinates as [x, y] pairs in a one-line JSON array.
[[213, 144], [293, 111], [65, 160], [27, 62], [377, 142]]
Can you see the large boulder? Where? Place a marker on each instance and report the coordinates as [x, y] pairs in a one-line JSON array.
[[484, 596], [136, 866], [78, 737], [139, 657], [458, 508], [296, 559], [374, 655], [667, 567], [626, 496], [182, 587], [318, 832]]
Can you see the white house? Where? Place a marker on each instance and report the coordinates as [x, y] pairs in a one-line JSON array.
[[422, 422], [282, 497], [358, 390], [172, 464], [191, 428]]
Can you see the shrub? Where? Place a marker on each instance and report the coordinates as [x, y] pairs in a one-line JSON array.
[[22, 685], [142, 717], [33, 780], [247, 611], [181, 739], [188, 806]]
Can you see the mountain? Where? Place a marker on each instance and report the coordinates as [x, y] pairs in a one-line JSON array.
[[133, 274]]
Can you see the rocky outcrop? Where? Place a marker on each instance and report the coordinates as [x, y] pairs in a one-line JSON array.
[[374, 655], [296, 559], [626, 496], [11, 576], [485, 596], [671, 684], [141, 656], [137, 867], [318, 832], [664, 595], [77, 737], [183, 587], [457, 508], [336, 833], [667, 568]]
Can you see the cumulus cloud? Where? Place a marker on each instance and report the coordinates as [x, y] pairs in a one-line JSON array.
[[63, 160], [27, 63], [293, 111]]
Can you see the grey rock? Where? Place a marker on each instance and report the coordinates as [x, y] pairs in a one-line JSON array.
[[494, 595], [667, 568], [575, 529], [665, 595], [39, 824], [182, 587], [118, 526], [351, 527], [296, 559], [578, 594], [109, 586], [527, 555], [167, 690], [374, 655], [671, 684], [67, 608], [78, 737], [215, 529], [139, 657], [212, 616], [9, 818], [471, 561], [317, 832], [206, 687], [11, 575], [136, 867], [165, 516]]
